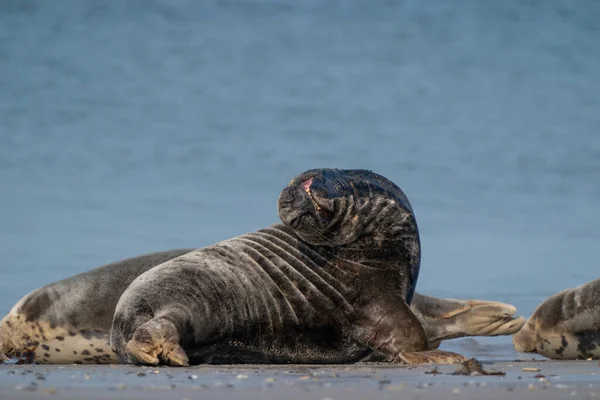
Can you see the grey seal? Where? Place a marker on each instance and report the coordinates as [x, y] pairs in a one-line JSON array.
[[331, 284], [69, 321], [565, 326]]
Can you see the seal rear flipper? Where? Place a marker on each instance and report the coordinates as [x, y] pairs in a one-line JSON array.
[[5, 348], [10, 351], [445, 319]]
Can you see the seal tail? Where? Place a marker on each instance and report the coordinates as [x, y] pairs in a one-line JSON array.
[[445, 319], [7, 347]]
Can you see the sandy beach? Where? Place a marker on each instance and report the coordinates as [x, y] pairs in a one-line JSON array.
[[522, 380], [128, 128]]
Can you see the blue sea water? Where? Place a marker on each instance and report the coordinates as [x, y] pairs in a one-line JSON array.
[[131, 127]]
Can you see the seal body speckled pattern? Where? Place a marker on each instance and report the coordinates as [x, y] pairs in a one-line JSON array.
[[565, 326], [69, 321], [332, 283]]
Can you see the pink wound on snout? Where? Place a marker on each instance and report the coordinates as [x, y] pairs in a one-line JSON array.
[[306, 184]]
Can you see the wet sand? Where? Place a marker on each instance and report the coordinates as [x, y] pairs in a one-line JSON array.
[[554, 380]]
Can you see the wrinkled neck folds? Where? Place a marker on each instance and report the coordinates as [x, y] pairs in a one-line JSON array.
[[377, 230]]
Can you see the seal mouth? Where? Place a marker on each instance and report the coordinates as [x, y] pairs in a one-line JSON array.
[[323, 211]]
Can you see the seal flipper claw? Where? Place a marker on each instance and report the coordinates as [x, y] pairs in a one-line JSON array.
[[142, 352], [171, 354], [174, 355], [147, 353]]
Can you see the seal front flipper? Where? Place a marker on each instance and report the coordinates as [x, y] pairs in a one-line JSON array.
[[445, 319], [390, 327], [156, 340]]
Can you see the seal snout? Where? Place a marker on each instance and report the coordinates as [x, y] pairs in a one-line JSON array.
[[293, 204], [305, 201]]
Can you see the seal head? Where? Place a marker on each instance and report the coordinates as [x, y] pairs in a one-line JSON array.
[[363, 215]]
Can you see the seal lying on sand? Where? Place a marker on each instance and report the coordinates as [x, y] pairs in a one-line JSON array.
[[69, 321], [331, 284], [565, 326]]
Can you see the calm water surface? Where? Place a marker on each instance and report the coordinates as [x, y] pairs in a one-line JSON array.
[[131, 127]]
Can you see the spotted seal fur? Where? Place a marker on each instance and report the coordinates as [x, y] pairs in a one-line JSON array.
[[69, 321], [61, 327], [565, 326], [332, 284]]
